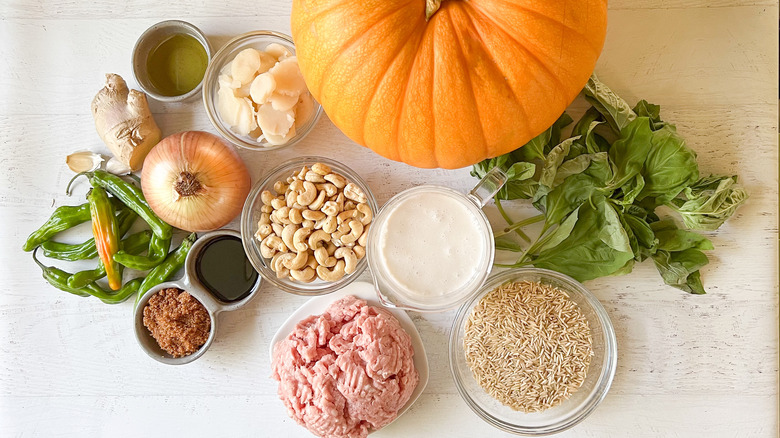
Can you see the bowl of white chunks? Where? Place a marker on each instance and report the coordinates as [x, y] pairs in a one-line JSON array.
[[255, 95]]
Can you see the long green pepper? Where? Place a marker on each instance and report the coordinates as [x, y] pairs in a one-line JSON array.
[[132, 244], [158, 250], [64, 217], [131, 196], [86, 250], [164, 270], [59, 279]]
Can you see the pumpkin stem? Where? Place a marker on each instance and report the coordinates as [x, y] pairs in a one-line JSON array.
[[431, 6]]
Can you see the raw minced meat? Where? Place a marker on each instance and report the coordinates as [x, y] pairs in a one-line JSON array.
[[345, 372]]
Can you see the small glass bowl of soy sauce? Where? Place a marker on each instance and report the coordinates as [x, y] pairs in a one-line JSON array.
[[218, 274]]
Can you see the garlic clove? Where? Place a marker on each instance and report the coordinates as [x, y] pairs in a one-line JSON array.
[[84, 161], [117, 167], [273, 121]]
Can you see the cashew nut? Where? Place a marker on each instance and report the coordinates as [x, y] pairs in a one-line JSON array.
[[263, 230], [349, 205], [363, 237], [277, 228], [273, 241], [297, 261], [278, 203], [267, 209], [287, 236], [355, 231], [302, 174], [319, 202], [299, 239], [354, 193], [316, 238], [320, 168], [365, 211], [343, 229], [307, 223], [305, 275], [290, 198], [337, 180], [314, 177], [295, 216], [329, 224], [360, 251], [276, 262], [265, 218], [334, 274], [309, 193], [330, 208], [331, 248], [323, 258], [313, 215], [267, 251], [312, 262], [350, 259], [267, 197], [346, 215], [328, 188], [280, 187]]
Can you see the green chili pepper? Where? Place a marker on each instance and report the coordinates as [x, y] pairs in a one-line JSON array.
[[64, 217], [132, 244], [158, 250], [131, 196], [106, 233], [59, 279], [86, 250], [164, 270]]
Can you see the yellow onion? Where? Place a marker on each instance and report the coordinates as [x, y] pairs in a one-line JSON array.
[[195, 181]]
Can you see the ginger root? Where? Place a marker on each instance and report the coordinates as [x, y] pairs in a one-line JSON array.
[[124, 122]]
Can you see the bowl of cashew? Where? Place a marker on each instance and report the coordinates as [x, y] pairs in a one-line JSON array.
[[304, 226]]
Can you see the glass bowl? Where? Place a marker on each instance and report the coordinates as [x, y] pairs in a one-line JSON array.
[[258, 39], [250, 216], [571, 411]]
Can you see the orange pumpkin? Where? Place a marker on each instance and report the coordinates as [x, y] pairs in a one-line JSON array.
[[476, 80]]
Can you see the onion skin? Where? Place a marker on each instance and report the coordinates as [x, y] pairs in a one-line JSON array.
[[195, 181]]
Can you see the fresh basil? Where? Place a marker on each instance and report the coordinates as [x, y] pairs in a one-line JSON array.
[[599, 189]]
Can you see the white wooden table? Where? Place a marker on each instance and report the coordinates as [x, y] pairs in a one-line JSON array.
[[689, 366]]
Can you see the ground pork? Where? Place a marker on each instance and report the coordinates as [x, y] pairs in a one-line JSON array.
[[345, 372]]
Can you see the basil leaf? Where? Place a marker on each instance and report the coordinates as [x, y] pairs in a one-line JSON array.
[[507, 244], [641, 229], [652, 112], [680, 240], [562, 231], [709, 202], [670, 166], [615, 110], [540, 145], [681, 269], [611, 230], [628, 154], [583, 255]]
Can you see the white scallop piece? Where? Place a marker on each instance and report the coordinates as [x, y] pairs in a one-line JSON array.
[[289, 79], [245, 65], [273, 121], [246, 122], [262, 88], [283, 102], [278, 51], [280, 139]]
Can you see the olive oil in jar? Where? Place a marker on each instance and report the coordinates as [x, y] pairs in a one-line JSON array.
[[177, 65], [225, 270]]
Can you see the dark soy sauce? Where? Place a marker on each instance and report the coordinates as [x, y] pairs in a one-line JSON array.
[[224, 269]]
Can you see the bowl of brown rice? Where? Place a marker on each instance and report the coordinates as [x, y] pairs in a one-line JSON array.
[[533, 353]]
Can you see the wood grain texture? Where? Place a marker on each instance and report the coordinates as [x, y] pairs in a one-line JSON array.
[[688, 366]]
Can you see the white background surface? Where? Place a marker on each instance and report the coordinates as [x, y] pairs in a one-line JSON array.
[[689, 366]]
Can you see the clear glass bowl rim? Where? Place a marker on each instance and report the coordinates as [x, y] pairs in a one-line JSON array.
[[609, 365]]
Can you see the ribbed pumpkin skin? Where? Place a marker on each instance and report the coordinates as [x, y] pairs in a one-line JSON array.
[[478, 80]]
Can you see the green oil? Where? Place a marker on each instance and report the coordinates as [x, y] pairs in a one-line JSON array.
[[176, 66]]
